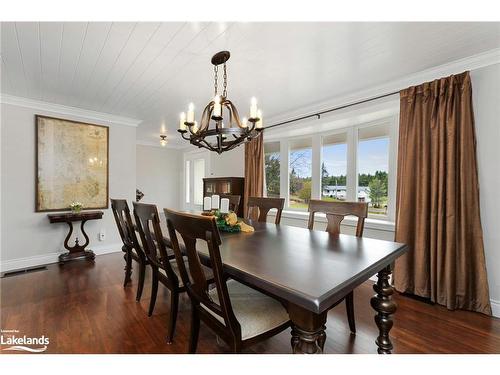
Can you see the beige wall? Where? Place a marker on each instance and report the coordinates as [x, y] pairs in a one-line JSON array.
[[27, 238], [159, 175], [228, 164]]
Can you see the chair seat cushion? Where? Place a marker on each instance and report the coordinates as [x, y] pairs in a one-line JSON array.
[[256, 312], [173, 263]]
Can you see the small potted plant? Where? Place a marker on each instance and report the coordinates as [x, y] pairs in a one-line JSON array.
[[76, 207]]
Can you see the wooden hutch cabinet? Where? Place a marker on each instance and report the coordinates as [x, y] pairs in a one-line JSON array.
[[225, 185]]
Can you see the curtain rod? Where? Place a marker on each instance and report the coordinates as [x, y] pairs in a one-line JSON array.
[[318, 114]]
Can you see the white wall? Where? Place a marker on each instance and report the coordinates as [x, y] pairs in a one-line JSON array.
[[159, 175], [486, 102], [228, 164], [27, 237]]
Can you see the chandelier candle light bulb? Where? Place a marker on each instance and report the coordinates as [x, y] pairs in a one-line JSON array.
[[194, 129], [190, 114], [217, 113], [253, 108], [258, 125], [244, 122], [182, 120]]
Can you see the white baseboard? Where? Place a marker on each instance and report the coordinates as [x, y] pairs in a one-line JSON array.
[[495, 308], [40, 260]]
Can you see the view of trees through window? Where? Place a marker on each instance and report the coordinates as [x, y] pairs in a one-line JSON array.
[[272, 165], [373, 166], [300, 167]]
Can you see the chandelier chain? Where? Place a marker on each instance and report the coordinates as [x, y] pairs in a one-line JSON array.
[[224, 92], [216, 77]]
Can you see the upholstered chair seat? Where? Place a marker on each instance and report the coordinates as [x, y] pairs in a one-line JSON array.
[[256, 312]]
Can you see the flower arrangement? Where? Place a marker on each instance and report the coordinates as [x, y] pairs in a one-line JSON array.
[[76, 207], [227, 222]]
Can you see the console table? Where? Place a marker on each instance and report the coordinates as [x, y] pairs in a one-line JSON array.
[[76, 251]]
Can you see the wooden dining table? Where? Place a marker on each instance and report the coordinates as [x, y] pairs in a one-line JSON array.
[[310, 271]]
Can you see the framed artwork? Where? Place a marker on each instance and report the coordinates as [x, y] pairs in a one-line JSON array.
[[72, 160]]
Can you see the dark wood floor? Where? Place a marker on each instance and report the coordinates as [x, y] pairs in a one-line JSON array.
[[83, 308]]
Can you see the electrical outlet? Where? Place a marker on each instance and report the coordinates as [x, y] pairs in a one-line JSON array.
[[102, 235]]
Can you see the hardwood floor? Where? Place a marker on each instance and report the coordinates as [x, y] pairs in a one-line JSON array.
[[83, 308]]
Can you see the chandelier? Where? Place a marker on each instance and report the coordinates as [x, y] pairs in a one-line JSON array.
[[212, 132]]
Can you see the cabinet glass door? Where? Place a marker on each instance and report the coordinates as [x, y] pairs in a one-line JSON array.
[[225, 187]]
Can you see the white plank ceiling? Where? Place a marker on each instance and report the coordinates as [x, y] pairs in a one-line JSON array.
[[151, 71]]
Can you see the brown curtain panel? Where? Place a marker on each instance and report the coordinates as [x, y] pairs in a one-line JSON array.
[[437, 212], [254, 171]]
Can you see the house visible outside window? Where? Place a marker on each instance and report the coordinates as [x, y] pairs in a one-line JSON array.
[[334, 167]]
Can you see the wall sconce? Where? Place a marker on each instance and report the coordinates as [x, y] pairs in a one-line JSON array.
[[163, 140]]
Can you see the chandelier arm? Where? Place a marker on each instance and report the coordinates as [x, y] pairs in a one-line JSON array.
[[208, 145], [234, 112]]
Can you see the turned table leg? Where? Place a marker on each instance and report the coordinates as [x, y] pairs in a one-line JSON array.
[[383, 304], [308, 330]]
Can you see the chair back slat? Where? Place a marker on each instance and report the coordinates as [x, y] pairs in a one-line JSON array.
[[336, 212], [192, 230], [123, 220], [148, 225], [264, 205]]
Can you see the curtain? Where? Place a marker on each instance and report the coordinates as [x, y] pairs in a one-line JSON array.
[[254, 171], [437, 200]]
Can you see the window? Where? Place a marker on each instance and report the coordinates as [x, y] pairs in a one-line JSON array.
[[300, 171], [354, 163], [272, 165], [373, 169], [187, 175], [198, 174], [334, 167]]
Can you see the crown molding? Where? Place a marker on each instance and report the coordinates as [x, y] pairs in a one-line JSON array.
[[68, 111], [473, 62]]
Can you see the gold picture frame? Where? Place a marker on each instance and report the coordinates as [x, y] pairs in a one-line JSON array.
[[72, 164]]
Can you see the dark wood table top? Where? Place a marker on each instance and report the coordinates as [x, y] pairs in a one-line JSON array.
[[312, 269], [65, 217]]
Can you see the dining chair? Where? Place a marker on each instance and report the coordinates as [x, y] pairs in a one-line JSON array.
[[234, 201], [239, 315], [131, 246], [164, 268], [336, 212], [264, 205]]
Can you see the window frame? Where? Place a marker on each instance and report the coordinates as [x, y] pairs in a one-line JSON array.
[[290, 141], [352, 141]]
